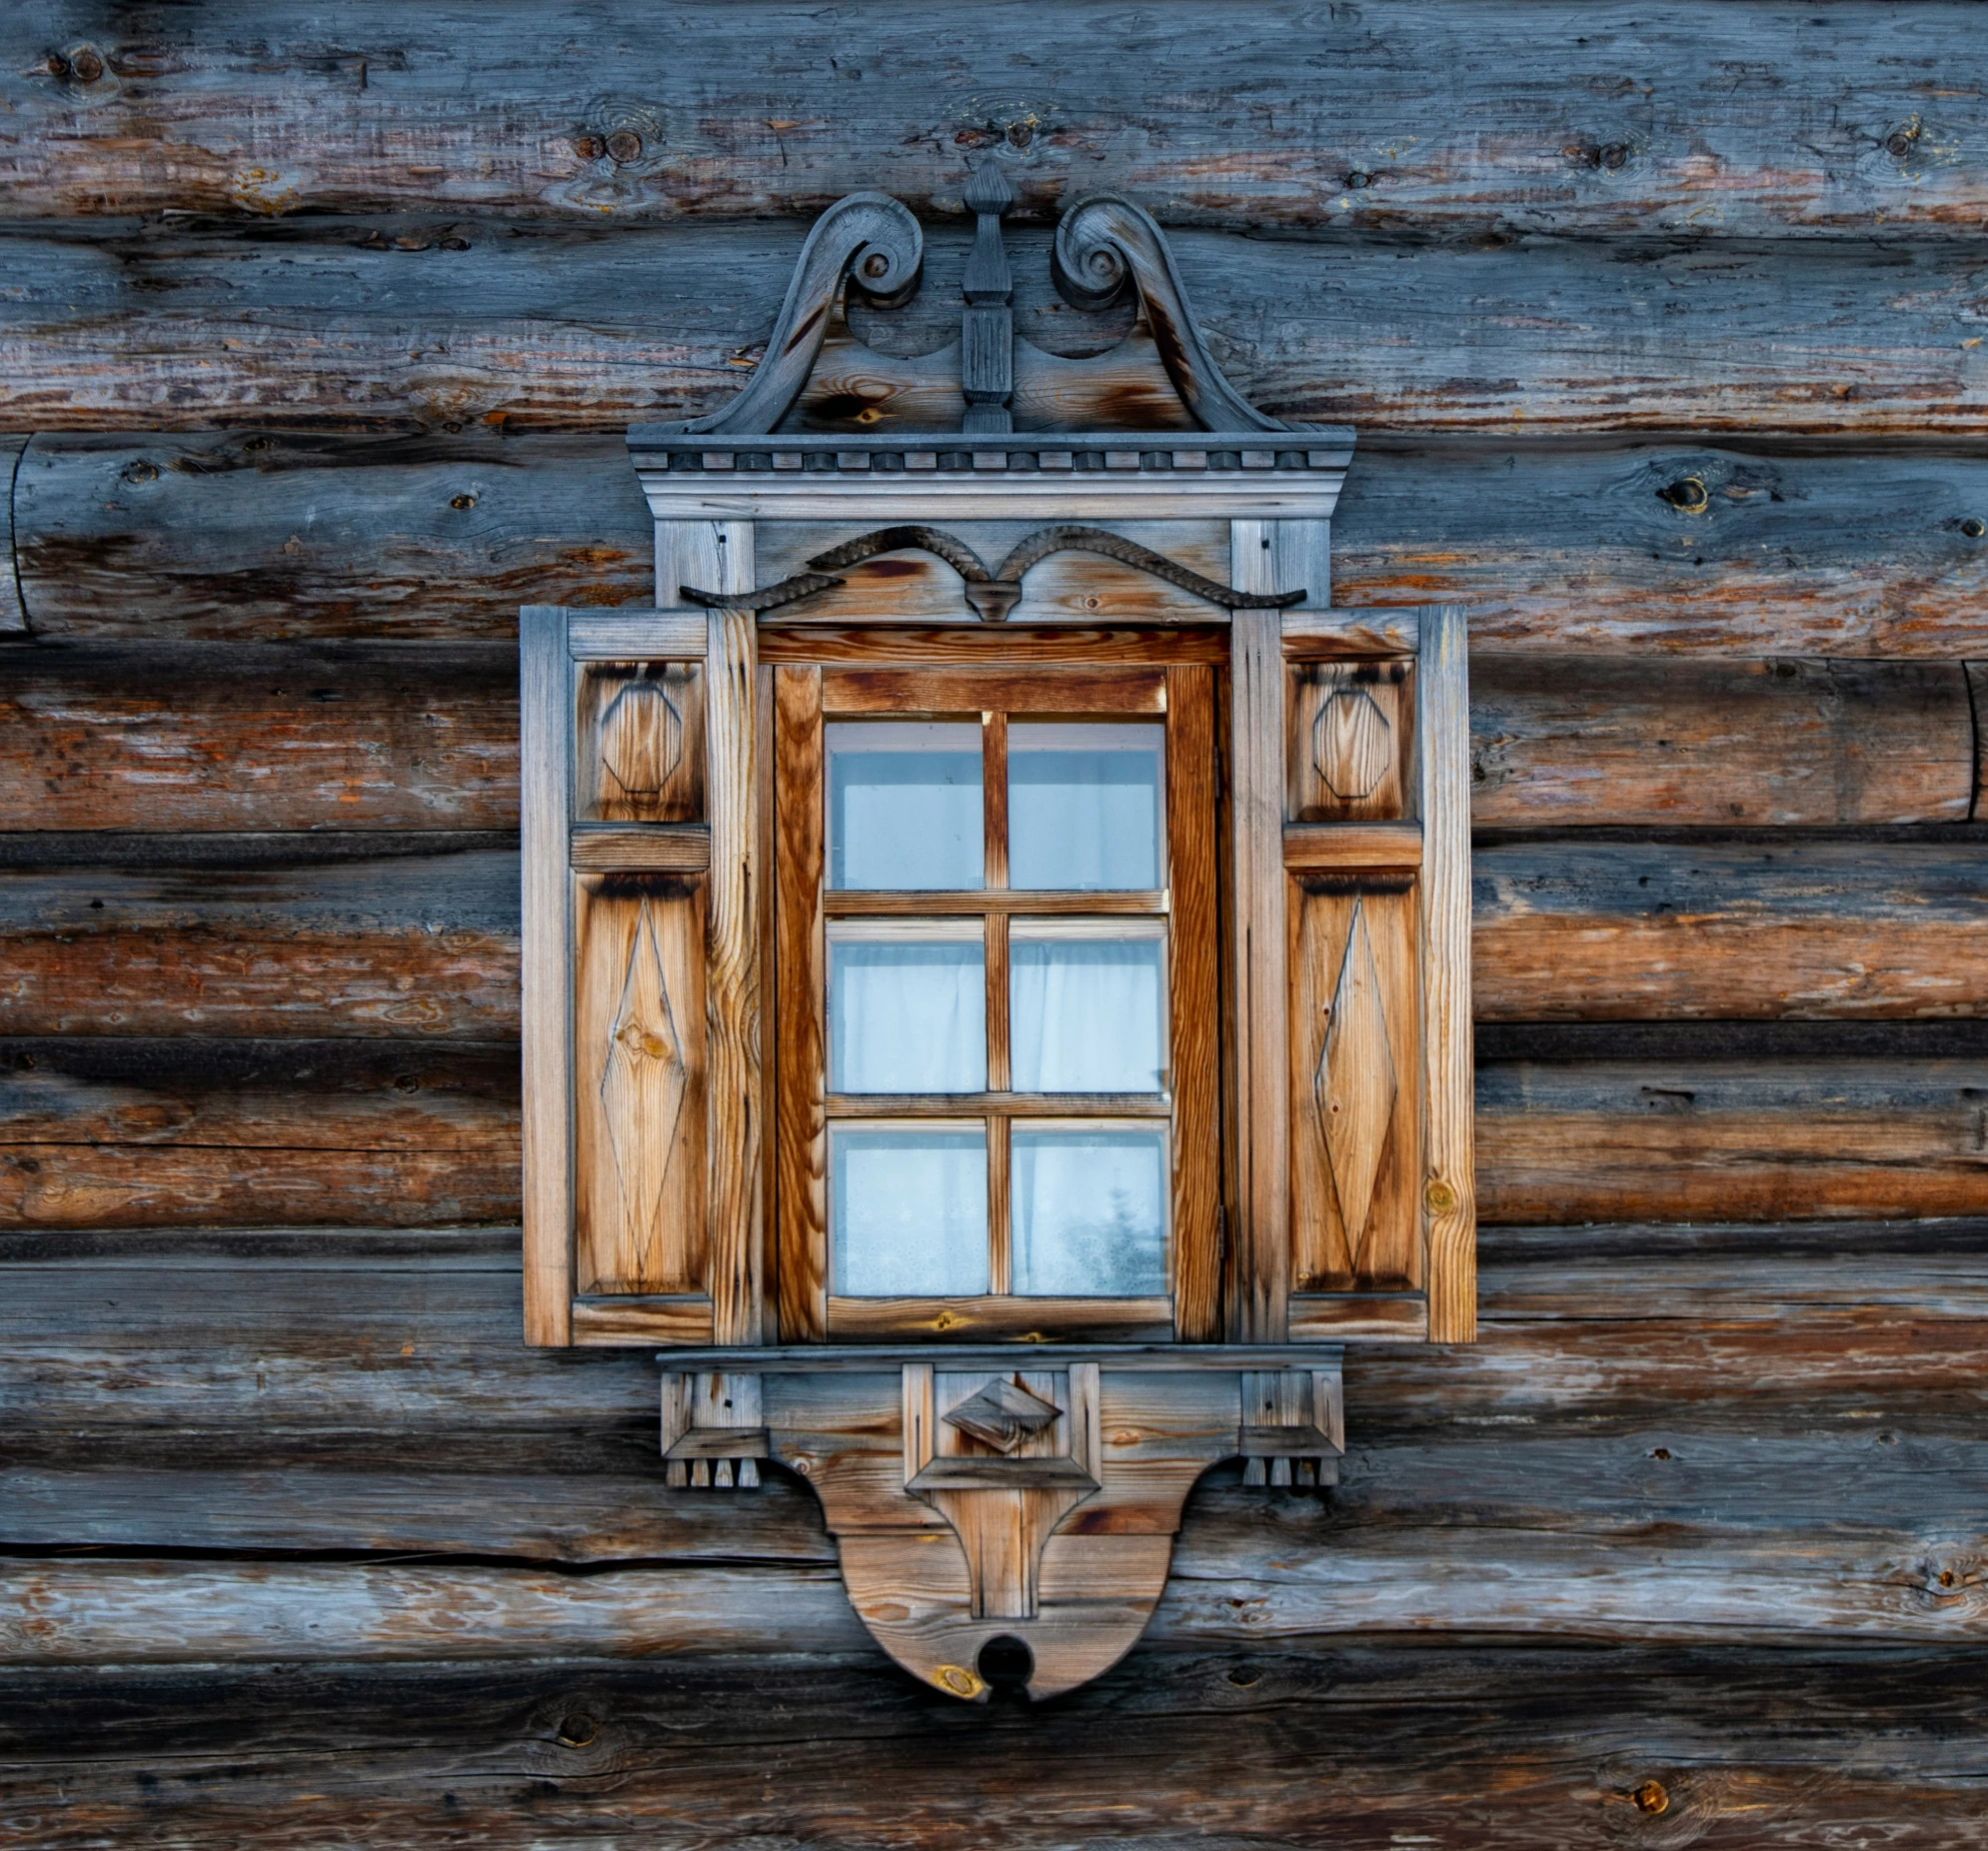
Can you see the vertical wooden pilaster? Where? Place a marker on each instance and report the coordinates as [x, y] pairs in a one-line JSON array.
[[1449, 1194], [1257, 1005], [545, 719]]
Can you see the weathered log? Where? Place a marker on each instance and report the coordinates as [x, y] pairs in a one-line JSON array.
[[129, 1131], [125, 1131], [1552, 545], [232, 936], [1576, 929], [397, 736], [1592, 121], [1348, 1743], [188, 325], [369, 1342]]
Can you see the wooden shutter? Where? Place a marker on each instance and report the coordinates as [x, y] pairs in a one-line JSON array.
[[1350, 986], [640, 973]]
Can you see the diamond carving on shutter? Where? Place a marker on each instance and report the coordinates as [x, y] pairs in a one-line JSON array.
[[1356, 1084], [642, 1092]]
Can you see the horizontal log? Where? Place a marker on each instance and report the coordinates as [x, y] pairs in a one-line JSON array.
[[1588, 544], [403, 736], [239, 937], [346, 1341], [124, 1131], [1433, 119], [1495, 1748], [305, 321], [1775, 927]]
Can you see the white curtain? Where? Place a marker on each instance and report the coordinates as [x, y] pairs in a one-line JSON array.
[[1084, 806], [1085, 1013], [907, 1014], [904, 806]]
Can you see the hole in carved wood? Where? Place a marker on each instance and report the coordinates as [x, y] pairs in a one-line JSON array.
[[1008, 1664]]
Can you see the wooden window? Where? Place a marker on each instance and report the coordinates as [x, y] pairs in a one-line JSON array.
[[996, 971]]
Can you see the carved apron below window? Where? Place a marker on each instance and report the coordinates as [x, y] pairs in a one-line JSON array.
[[997, 970]]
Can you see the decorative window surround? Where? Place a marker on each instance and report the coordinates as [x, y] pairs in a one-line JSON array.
[[1003, 1473]]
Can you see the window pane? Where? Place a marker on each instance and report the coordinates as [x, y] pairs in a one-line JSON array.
[[1084, 806], [904, 804], [1086, 1009], [908, 1009], [1089, 1213], [909, 1213]]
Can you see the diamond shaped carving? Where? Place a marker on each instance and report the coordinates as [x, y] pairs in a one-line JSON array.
[[642, 1088], [1353, 742], [1354, 1086], [642, 739], [1003, 1415]]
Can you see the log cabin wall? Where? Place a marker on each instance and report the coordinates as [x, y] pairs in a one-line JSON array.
[[1662, 331]]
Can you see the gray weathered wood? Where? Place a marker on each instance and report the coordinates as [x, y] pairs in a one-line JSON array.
[[13, 616], [1553, 546], [1432, 118], [568, 325]]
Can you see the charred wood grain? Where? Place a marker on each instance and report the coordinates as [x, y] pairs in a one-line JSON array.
[[1354, 1744], [1427, 120], [1555, 546], [326, 321]]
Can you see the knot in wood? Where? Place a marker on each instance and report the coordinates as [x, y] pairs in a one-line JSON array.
[[1650, 1797]]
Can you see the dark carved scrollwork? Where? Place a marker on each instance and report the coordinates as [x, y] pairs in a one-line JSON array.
[[870, 239], [1108, 243], [992, 595]]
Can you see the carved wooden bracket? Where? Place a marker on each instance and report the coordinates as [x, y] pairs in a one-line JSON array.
[[978, 1501]]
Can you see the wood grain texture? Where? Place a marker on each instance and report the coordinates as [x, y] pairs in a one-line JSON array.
[[799, 989], [1195, 1037], [366, 735], [736, 1120], [547, 1002], [1534, 1744], [562, 326], [1593, 544], [1430, 121], [1259, 1235], [1443, 690], [404, 944], [128, 1131]]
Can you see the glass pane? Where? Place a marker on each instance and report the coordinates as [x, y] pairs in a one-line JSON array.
[[909, 1213], [908, 1007], [1089, 1213], [904, 804], [1085, 1008], [1084, 806]]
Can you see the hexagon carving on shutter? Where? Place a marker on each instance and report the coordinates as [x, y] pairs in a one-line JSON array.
[[642, 739], [1353, 742]]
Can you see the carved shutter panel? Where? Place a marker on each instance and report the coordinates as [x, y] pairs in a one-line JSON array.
[[640, 977], [1352, 1003]]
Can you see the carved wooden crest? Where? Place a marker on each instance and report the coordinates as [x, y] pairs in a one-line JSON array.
[[996, 970]]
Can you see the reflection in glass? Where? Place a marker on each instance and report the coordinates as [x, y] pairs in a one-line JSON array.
[[1084, 806], [909, 1212], [908, 1007], [1085, 1007], [1090, 1215], [904, 804]]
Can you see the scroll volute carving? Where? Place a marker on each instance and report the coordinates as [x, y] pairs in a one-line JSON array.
[[640, 743], [1348, 735], [1355, 1054]]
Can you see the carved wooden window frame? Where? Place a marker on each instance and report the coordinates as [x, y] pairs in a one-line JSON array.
[[675, 1094]]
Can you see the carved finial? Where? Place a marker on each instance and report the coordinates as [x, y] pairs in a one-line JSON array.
[[986, 329]]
